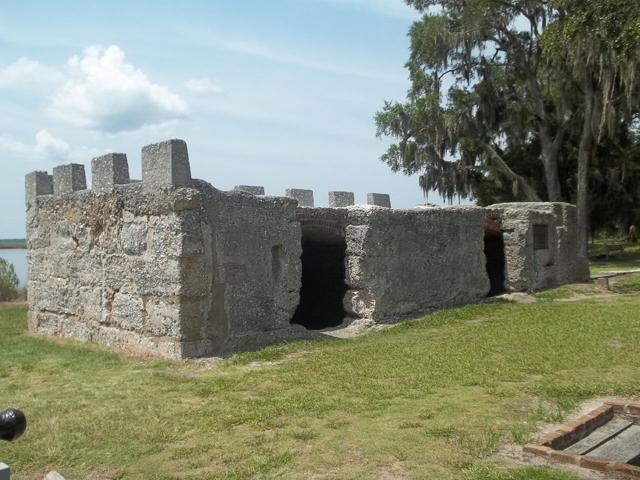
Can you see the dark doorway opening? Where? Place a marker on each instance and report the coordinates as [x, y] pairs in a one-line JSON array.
[[494, 253], [323, 286]]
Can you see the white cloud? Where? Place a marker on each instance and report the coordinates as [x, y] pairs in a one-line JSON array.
[[27, 73], [44, 147], [103, 92], [50, 146], [203, 86]]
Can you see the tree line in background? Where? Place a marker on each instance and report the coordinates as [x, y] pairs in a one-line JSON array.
[[524, 100]]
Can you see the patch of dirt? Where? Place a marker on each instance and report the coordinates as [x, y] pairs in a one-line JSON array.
[[13, 304], [517, 297], [353, 328], [615, 343], [395, 471]]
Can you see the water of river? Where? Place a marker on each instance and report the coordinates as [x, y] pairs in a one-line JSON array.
[[17, 257]]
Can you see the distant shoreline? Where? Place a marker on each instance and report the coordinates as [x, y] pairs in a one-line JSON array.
[[13, 244]]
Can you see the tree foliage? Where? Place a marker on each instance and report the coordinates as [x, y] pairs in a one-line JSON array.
[[8, 281], [498, 103], [594, 46]]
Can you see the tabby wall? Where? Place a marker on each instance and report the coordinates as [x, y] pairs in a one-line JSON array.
[[403, 263], [174, 267], [169, 265], [541, 245]]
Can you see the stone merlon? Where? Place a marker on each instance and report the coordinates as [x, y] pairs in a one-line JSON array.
[[165, 164], [68, 178], [341, 199], [304, 197], [379, 199], [36, 184], [108, 171]]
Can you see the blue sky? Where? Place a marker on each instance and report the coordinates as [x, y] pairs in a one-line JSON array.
[[279, 93]]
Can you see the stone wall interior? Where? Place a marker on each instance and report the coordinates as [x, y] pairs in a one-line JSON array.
[[173, 267]]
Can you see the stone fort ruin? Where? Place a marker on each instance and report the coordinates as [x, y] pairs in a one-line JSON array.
[[174, 267]]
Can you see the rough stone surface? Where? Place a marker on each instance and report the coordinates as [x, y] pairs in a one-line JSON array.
[[36, 184], [166, 164], [109, 170], [252, 189], [68, 178], [341, 199], [528, 268], [402, 263], [379, 199], [304, 197], [190, 271]]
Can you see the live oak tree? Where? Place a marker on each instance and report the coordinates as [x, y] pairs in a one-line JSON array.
[[595, 48], [479, 85], [490, 79]]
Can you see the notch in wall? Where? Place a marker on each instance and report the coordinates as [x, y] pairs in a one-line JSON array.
[[252, 189]]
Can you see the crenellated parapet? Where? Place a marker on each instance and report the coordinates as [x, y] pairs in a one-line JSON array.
[[164, 165]]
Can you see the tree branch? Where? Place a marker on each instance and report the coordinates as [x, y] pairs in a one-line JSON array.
[[500, 165]]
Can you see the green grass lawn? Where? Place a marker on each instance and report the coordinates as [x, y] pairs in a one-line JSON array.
[[432, 398]]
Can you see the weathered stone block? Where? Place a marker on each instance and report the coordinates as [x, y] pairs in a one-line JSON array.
[[304, 197], [163, 317], [68, 178], [133, 238], [379, 199], [165, 164], [127, 311], [158, 276], [178, 236], [341, 199], [109, 170], [36, 184], [77, 330], [252, 189]]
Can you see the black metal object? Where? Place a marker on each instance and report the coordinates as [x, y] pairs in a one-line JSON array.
[[13, 423]]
